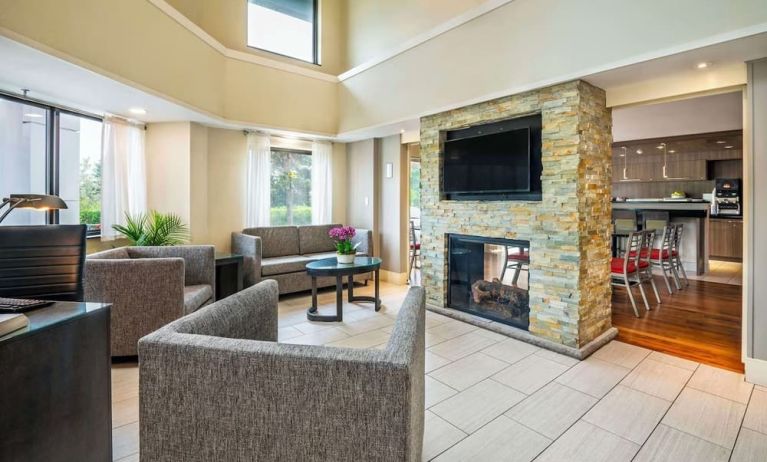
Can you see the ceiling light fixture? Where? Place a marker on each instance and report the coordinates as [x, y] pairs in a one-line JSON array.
[[402, 131], [137, 111], [729, 147], [660, 146], [671, 151], [702, 65], [639, 151], [721, 142]]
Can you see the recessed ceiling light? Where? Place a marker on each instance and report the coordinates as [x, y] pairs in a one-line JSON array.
[[702, 65], [137, 111], [402, 131], [33, 115], [639, 151], [729, 147], [671, 151], [660, 146], [721, 142]]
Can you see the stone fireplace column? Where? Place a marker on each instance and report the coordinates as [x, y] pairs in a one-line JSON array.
[[568, 230]]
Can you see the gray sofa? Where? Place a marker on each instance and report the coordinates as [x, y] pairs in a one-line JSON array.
[[149, 287], [215, 386], [282, 252]]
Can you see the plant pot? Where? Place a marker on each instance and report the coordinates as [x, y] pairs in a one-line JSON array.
[[345, 259]]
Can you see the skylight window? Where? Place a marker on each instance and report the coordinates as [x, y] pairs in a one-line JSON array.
[[285, 27]]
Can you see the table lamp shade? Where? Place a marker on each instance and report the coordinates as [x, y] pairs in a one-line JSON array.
[[32, 201]]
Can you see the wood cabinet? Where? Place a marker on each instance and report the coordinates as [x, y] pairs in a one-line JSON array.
[[726, 238], [685, 169]]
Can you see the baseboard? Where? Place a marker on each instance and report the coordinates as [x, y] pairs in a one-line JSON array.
[[578, 353], [394, 278], [756, 371]]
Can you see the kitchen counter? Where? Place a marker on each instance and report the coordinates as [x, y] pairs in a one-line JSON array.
[[663, 205]]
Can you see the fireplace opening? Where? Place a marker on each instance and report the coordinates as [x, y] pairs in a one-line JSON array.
[[489, 277]]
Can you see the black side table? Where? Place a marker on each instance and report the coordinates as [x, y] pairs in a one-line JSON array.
[[229, 277], [331, 267]]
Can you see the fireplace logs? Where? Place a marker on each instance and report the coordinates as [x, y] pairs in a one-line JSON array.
[[496, 296]]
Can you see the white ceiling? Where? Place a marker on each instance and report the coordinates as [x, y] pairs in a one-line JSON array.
[[704, 114]]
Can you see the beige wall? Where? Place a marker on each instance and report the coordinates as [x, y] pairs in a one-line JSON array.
[[198, 183], [136, 43], [226, 21], [523, 45], [340, 194], [227, 180], [361, 188], [392, 205], [374, 27], [168, 166]]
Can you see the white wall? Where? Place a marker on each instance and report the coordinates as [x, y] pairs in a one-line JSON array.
[[392, 205], [360, 171], [529, 44], [703, 114]]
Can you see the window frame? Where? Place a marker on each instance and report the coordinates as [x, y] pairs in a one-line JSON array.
[[52, 143], [315, 36]]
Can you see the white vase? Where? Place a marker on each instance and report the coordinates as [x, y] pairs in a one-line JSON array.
[[345, 259]]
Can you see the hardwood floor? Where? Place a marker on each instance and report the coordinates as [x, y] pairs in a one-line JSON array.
[[701, 322]]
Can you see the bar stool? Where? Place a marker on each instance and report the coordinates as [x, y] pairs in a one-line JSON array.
[[676, 259], [518, 260], [645, 266], [624, 223], [661, 257], [626, 271], [415, 252]]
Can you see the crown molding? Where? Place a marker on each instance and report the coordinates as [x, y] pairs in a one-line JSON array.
[[185, 22]]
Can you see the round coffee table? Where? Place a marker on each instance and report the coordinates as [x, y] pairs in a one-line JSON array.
[[331, 267]]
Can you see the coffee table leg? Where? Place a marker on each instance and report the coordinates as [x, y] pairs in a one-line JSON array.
[[377, 291], [339, 299], [351, 287], [314, 294]]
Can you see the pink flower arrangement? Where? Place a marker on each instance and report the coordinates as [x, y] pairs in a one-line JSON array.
[[343, 236]]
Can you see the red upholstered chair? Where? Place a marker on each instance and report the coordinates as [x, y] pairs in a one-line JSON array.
[[676, 260], [629, 270]]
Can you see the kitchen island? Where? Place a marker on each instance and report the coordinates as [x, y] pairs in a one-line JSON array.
[[693, 215]]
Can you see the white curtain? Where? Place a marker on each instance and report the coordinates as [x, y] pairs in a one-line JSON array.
[[322, 183], [259, 180], [123, 175]]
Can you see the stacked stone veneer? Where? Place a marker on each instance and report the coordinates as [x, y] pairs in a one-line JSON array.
[[569, 230]]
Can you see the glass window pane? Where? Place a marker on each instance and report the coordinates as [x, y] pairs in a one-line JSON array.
[[80, 171], [291, 188], [22, 157], [284, 27]]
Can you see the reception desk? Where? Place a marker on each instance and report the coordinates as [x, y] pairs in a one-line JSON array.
[[694, 216]]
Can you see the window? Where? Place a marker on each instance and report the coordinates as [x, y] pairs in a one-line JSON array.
[[66, 163], [286, 27], [291, 192]]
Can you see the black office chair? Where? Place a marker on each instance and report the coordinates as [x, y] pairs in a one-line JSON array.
[[43, 262]]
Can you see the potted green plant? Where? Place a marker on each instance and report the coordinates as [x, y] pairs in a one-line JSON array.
[[345, 249], [154, 229]]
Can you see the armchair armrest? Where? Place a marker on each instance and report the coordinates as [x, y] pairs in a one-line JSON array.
[[145, 294], [199, 261], [364, 238], [250, 248]]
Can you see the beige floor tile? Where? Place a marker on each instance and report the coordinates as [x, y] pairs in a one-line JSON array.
[[478, 405], [125, 412], [468, 371], [593, 376], [318, 338], [552, 409], [287, 332], [491, 335], [706, 416], [500, 440], [364, 325], [530, 374], [673, 360], [451, 329], [125, 441], [461, 346], [436, 391], [365, 340], [751, 447], [628, 413], [756, 414], [557, 357], [657, 379], [667, 444], [434, 361], [622, 354], [432, 339], [131, 458], [510, 350], [584, 442], [435, 319], [720, 382], [438, 435]]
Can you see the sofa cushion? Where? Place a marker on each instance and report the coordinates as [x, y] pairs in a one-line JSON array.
[[276, 241], [314, 239], [196, 296], [283, 265], [320, 255]]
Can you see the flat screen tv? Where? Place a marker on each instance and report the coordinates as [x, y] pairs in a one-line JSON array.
[[495, 163]]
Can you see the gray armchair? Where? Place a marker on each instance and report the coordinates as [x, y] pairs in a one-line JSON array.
[[215, 386], [148, 287]]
